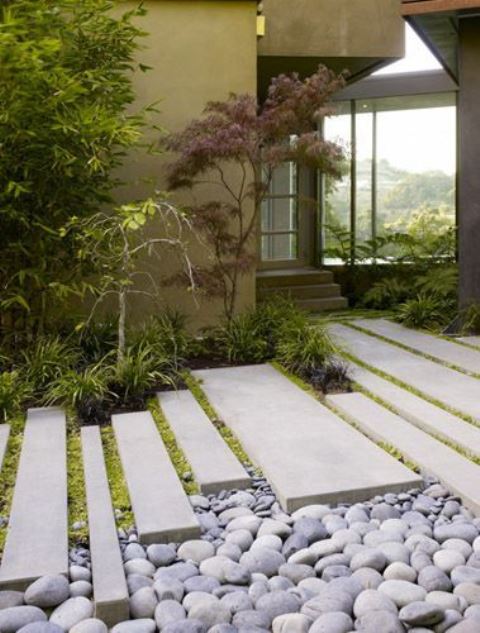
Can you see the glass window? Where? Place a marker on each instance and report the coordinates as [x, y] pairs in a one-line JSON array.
[[418, 57], [279, 240]]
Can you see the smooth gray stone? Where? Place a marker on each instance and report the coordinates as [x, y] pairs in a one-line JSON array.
[[201, 583], [313, 529], [161, 555], [333, 572], [90, 625], [376, 621], [135, 626], [185, 626], [14, 618], [307, 434], [402, 592], [214, 470], [375, 559], [470, 591], [10, 598], [447, 560], [456, 471], [291, 623], [465, 531], [295, 572], [294, 543], [47, 591], [77, 572], [368, 578], [196, 550], [334, 622], [350, 585], [142, 603], [328, 561], [237, 601], [37, 536], [81, 588], [172, 589], [139, 566], [277, 603], [263, 560], [136, 582], [274, 527], [169, 612], [328, 601], [161, 508], [230, 551], [71, 612], [465, 574], [179, 571], [372, 600], [451, 617], [421, 614], [196, 597], [400, 571], [258, 589], [210, 613], [280, 583], [241, 538], [40, 627], [432, 578], [109, 585], [431, 378], [251, 619]]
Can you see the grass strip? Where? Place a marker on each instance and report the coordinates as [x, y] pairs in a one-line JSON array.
[[77, 500], [9, 471], [229, 437], [177, 456], [116, 479]]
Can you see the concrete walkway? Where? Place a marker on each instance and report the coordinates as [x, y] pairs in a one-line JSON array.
[[307, 453], [453, 389], [459, 474], [446, 351], [474, 341]]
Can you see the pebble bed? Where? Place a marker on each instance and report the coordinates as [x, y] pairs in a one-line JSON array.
[[399, 562]]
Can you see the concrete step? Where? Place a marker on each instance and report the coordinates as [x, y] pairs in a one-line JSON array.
[[293, 277], [457, 473], [453, 389], [110, 591], [474, 341], [314, 291], [462, 357], [308, 454], [37, 536], [423, 414], [214, 465], [162, 509], [4, 435], [322, 305]]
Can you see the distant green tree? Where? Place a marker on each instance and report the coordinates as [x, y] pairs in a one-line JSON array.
[[65, 125]]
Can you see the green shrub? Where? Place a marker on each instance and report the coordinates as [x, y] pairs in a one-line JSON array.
[[386, 294], [304, 350], [140, 370], [241, 340], [423, 311], [166, 334], [46, 361], [84, 390], [470, 319], [439, 281], [14, 391], [98, 339]]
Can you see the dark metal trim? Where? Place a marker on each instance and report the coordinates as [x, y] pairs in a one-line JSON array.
[[353, 181]]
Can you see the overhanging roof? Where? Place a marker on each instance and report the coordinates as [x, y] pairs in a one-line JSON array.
[[422, 7]]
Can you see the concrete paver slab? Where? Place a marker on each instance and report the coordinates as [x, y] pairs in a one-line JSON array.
[[423, 414], [446, 351], [110, 591], [4, 435], [37, 535], [457, 473], [214, 465], [307, 453], [474, 341], [452, 388], [162, 510]]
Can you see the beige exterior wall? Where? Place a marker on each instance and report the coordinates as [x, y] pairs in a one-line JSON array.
[[333, 28], [198, 51]]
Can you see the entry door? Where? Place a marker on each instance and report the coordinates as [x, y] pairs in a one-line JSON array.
[[288, 220]]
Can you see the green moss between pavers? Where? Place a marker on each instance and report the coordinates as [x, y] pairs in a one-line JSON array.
[[304, 386], [9, 470], [116, 479], [77, 501], [177, 456], [230, 439]]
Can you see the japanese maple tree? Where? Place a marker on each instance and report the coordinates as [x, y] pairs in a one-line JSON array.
[[237, 144]]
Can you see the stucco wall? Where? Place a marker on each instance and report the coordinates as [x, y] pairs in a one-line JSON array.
[[199, 51], [332, 28]]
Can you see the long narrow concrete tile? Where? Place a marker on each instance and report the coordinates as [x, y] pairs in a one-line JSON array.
[[423, 414], [214, 465], [162, 510], [452, 388], [307, 453], [110, 591], [474, 341], [457, 473], [446, 351], [4, 435], [37, 538]]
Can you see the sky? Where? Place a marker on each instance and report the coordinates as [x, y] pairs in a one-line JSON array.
[[414, 140]]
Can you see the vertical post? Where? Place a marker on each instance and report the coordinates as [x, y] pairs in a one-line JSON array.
[[353, 181], [374, 170], [469, 161]]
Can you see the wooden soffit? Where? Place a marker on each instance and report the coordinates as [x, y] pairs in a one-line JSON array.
[[420, 7]]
